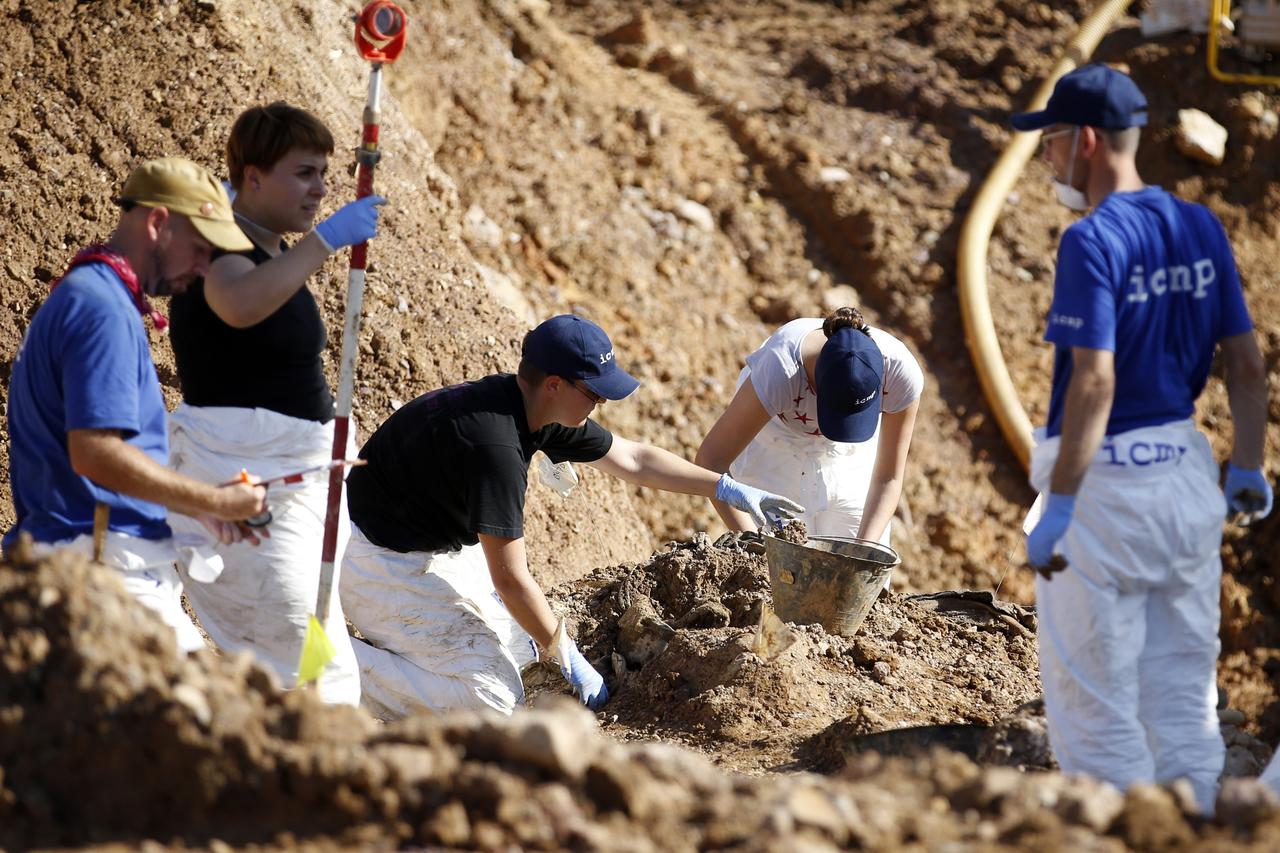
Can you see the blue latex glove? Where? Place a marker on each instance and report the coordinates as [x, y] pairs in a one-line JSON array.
[[1248, 493], [764, 507], [1048, 530], [587, 683], [354, 222]]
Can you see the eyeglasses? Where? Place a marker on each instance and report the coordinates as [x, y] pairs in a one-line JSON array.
[[586, 392], [1054, 134]]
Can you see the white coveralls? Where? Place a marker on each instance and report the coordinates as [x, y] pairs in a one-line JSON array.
[[146, 569], [828, 478], [438, 636], [1128, 633], [266, 593], [790, 457]]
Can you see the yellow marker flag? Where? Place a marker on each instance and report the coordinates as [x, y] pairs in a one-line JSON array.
[[317, 651]]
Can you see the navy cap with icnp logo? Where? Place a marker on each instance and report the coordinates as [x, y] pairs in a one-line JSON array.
[[575, 348], [850, 376], [1093, 95]]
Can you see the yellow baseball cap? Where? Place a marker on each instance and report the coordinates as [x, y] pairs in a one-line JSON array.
[[183, 187]]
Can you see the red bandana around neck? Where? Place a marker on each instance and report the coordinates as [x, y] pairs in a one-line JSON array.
[[109, 256]]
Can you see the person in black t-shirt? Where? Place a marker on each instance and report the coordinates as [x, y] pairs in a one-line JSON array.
[[436, 577], [248, 341]]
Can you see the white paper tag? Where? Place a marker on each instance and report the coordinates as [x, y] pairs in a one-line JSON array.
[[560, 478]]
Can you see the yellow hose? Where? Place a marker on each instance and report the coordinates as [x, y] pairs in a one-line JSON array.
[[975, 306]]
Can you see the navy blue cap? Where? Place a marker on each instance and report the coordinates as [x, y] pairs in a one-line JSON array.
[[569, 346], [1093, 95], [850, 376]]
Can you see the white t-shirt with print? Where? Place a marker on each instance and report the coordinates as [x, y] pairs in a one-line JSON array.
[[777, 374]]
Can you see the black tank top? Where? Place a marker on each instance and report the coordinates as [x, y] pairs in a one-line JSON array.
[[274, 364]]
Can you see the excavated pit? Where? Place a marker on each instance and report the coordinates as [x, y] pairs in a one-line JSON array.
[[680, 640]]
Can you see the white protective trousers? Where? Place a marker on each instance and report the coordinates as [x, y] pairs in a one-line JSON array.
[[146, 569], [437, 636], [1128, 633], [266, 593], [829, 479]]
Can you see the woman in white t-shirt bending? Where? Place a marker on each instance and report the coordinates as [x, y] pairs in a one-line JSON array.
[[823, 414]]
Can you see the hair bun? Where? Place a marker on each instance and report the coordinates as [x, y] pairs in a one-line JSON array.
[[844, 318]]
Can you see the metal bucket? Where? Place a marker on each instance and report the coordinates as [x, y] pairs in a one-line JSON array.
[[830, 580]]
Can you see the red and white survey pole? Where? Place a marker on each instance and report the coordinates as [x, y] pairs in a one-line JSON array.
[[380, 32]]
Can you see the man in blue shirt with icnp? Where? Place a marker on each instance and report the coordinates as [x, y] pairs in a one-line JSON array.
[[1128, 541], [88, 441]]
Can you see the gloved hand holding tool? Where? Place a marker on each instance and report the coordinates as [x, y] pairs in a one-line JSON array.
[[1249, 495], [354, 223], [765, 508], [586, 682], [247, 498], [1042, 539], [263, 518]]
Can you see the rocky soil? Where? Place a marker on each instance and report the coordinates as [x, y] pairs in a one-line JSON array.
[[107, 736]]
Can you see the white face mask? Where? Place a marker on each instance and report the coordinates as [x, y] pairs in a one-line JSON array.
[[1069, 196]]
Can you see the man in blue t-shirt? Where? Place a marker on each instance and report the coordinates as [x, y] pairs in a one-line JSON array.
[[1127, 544], [88, 442]]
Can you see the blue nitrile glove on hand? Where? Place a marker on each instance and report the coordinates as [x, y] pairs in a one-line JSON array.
[[354, 222], [763, 507], [1049, 529], [587, 683], [1248, 493]]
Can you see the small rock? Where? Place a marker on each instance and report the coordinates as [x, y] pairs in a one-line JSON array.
[[195, 701], [694, 213], [1245, 803], [1200, 137], [561, 739], [477, 226], [1231, 717], [649, 122], [881, 671], [708, 614], [1151, 820], [640, 30], [1269, 123], [1095, 805], [642, 635], [1241, 762], [834, 175], [396, 404], [450, 825], [811, 807], [1185, 796], [1252, 105]]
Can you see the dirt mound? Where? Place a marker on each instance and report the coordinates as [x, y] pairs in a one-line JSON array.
[[107, 736], [679, 637]]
